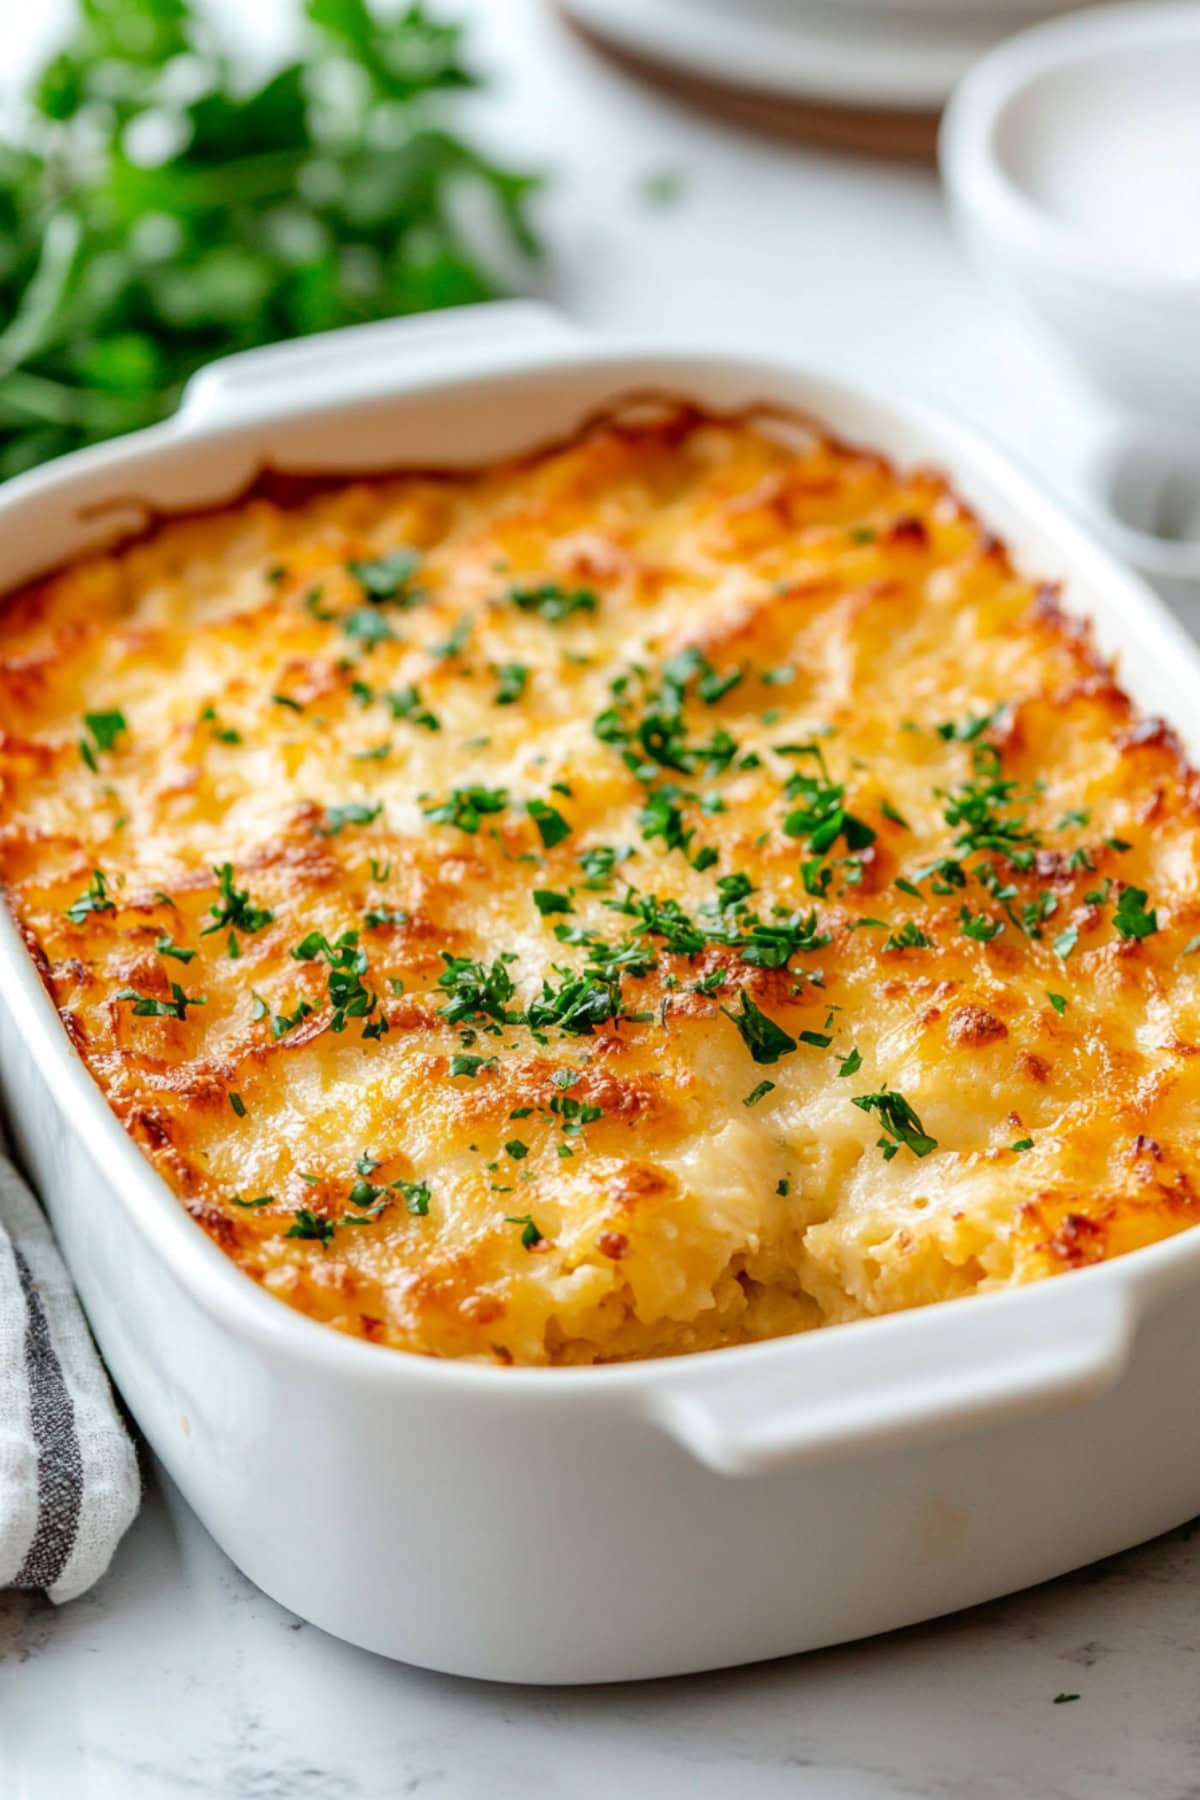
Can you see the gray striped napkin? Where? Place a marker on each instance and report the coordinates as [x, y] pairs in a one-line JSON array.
[[68, 1472]]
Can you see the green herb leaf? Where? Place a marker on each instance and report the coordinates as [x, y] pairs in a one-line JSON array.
[[354, 812], [759, 1093], [284, 203], [384, 578], [553, 603], [416, 1196], [309, 1224], [94, 899], [510, 683], [900, 1123], [1131, 916], [530, 1236], [148, 1006], [467, 807], [105, 727], [552, 827], [765, 1040], [166, 946]]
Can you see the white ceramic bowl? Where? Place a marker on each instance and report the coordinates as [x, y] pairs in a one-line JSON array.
[[1071, 158], [1141, 492], [653, 1518]]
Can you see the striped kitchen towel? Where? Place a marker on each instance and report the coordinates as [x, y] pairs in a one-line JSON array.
[[69, 1482]]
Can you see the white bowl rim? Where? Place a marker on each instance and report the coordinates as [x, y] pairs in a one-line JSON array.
[[1158, 558], [977, 179]]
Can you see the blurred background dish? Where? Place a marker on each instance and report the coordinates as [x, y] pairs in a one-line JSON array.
[[1071, 160], [897, 58]]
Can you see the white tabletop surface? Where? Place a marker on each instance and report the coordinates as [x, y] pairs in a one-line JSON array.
[[175, 1676]]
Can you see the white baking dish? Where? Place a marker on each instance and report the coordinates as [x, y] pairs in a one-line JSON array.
[[648, 1519]]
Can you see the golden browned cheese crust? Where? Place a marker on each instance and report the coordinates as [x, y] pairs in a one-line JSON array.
[[678, 789]]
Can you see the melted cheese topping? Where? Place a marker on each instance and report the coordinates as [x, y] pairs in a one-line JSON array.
[[766, 911]]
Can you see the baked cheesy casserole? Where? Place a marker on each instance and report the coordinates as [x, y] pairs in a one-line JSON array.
[[670, 890]]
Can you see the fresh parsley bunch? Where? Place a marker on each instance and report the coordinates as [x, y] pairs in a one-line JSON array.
[[157, 209]]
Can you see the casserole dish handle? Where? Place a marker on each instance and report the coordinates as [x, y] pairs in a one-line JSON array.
[[354, 362], [904, 1380]]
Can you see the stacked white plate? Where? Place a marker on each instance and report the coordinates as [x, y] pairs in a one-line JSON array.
[[902, 55]]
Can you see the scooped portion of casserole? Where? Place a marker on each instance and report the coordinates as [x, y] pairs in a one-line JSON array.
[[675, 889]]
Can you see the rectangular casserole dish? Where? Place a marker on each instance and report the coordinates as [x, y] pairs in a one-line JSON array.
[[645, 1519]]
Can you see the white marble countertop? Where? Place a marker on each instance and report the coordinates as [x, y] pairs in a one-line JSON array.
[[175, 1676]]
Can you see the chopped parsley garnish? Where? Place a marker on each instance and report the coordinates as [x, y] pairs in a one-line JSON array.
[[516, 1149], [530, 1236], [900, 1123], [469, 1066], [259, 1009], [416, 1196], [287, 701], [467, 807], [510, 683], [889, 812], [348, 995], [1066, 941], [765, 1040], [981, 810], [658, 739], [354, 812], [147, 1006], [106, 728], [405, 703], [238, 1104], [1025, 1143], [552, 827], [908, 937], [476, 992], [599, 863], [166, 946], [980, 926], [850, 1064], [968, 730], [262, 1200], [94, 899], [456, 643], [234, 910], [386, 578], [1058, 1002], [309, 1224], [314, 608], [821, 816], [1062, 1699], [221, 734], [553, 603], [1131, 916], [547, 901], [662, 817], [578, 1005], [759, 1093], [367, 627], [282, 1023], [376, 917]]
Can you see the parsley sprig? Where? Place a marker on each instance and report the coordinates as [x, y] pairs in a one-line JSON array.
[[153, 223]]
